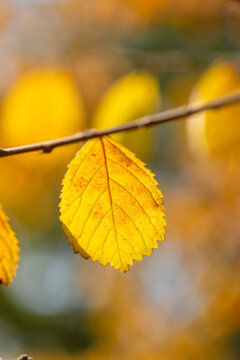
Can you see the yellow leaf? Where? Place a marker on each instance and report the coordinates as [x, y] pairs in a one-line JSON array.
[[40, 102], [9, 250], [42, 105], [132, 96], [215, 133], [111, 207]]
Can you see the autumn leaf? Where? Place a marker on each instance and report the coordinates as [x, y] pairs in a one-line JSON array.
[[111, 208], [9, 250], [133, 95], [215, 133], [43, 104], [42, 101]]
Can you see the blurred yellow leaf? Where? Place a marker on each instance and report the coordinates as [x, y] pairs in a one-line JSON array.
[[9, 250], [43, 104], [134, 95], [215, 133], [111, 207]]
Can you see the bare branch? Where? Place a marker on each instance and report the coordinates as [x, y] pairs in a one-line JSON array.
[[150, 120]]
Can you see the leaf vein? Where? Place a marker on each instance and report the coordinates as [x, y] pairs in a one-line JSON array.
[[110, 198], [97, 227], [129, 172], [133, 197], [79, 165], [133, 224], [93, 206], [5, 241], [103, 244], [80, 196], [124, 238]]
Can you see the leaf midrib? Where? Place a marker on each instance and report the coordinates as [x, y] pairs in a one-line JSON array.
[[111, 201]]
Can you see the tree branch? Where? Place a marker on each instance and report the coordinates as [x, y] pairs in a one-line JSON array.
[[150, 120]]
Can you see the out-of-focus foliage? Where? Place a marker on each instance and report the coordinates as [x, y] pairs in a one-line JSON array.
[[135, 95], [9, 250], [44, 104], [150, 9], [111, 207], [157, 10], [216, 133]]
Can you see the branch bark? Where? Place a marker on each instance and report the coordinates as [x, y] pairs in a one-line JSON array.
[[150, 120]]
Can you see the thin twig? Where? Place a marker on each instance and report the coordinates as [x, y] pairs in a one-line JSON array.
[[150, 120]]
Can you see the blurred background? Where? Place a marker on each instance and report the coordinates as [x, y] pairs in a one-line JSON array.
[[70, 64]]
